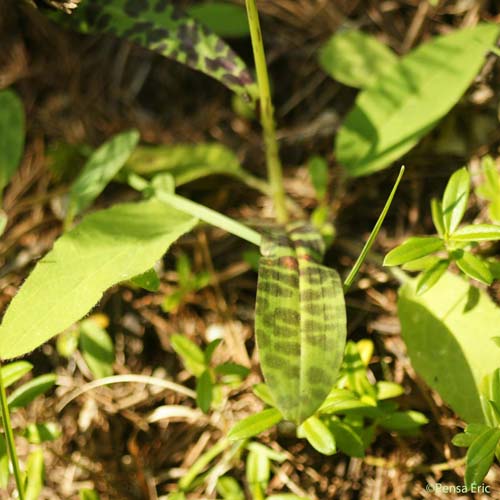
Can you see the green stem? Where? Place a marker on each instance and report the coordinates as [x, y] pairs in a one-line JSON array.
[[354, 271], [9, 436], [274, 169]]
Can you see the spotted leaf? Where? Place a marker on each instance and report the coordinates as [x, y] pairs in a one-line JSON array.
[[163, 27], [300, 321]]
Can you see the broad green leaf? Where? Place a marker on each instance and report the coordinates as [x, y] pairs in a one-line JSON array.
[[437, 216], [97, 348], [300, 321], [106, 248], [11, 135], [471, 432], [13, 372], [148, 281], [392, 115], [27, 392], [403, 421], [204, 391], [4, 464], [225, 19], [421, 264], [477, 232], [455, 198], [356, 58], [318, 171], [229, 489], [341, 400], [35, 472], [40, 433], [437, 326], [431, 276], [88, 494], [413, 248], [99, 170], [318, 435], [480, 456], [163, 27], [258, 471], [255, 424], [347, 439], [190, 353], [475, 268], [185, 162]]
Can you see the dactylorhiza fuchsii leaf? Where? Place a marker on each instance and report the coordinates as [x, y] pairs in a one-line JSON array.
[[300, 321], [106, 248], [163, 27], [403, 105]]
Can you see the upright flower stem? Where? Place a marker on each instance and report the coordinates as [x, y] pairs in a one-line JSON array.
[[274, 168], [9, 437]]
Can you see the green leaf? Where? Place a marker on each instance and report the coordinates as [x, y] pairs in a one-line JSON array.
[[4, 464], [437, 216], [466, 438], [11, 135], [258, 471], [88, 494], [413, 248], [300, 321], [106, 248], [40, 433], [23, 395], [356, 58], [164, 28], [421, 264], [318, 171], [99, 170], [431, 276], [255, 424], [13, 372], [191, 355], [480, 456], [474, 267], [225, 19], [341, 400], [97, 349], [230, 368], [438, 326], [204, 391], [318, 435], [229, 489], [185, 162], [347, 439], [490, 189], [455, 198], [67, 342], [388, 390], [149, 280], [477, 232], [210, 349], [392, 115], [403, 421], [355, 370], [35, 472]]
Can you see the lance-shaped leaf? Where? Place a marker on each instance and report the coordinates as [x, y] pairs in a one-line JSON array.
[[163, 27], [300, 322], [108, 247]]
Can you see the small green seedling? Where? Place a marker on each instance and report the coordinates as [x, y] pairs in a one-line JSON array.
[[453, 243], [209, 379], [483, 440], [350, 415], [189, 282]]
